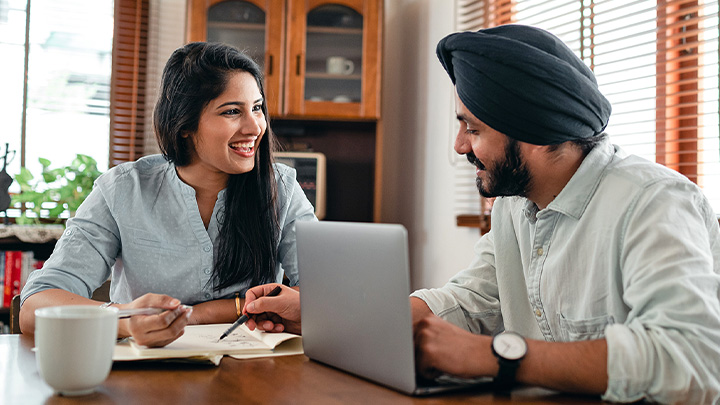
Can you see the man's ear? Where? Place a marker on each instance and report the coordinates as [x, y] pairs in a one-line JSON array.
[[529, 150]]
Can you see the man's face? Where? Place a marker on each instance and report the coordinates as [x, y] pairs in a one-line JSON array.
[[498, 160]]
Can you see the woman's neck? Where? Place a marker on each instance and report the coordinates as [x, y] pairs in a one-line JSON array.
[[203, 182], [206, 185]]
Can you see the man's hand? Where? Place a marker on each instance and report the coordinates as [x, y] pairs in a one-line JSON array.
[[156, 330], [441, 347], [273, 314]]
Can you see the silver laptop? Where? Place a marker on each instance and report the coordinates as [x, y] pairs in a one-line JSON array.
[[355, 304]]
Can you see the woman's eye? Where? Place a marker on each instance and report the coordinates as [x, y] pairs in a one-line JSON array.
[[231, 112], [257, 107]]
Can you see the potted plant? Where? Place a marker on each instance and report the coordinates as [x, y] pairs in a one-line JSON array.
[[66, 187]]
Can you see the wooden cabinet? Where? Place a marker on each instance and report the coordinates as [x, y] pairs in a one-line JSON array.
[[321, 58], [322, 64]]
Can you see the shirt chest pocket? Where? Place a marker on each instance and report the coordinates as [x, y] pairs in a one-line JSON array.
[[147, 240], [583, 329]]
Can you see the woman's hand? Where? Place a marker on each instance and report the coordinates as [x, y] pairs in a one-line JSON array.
[[155, 330], [273, 314]]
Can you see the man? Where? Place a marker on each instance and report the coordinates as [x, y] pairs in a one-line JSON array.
[[605, 264], [602, 270]]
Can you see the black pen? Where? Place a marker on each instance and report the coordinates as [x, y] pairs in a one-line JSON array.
[[245, 317]]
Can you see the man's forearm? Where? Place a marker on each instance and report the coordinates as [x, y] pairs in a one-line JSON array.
[[419, 309], [566, 366]]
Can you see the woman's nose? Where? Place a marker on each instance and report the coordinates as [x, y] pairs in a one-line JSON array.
[[252, 125]]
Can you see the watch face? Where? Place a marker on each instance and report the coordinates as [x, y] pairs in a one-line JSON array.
[[510, 346]]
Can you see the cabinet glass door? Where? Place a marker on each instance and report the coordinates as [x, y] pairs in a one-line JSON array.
[[241, 24], [334, 55]]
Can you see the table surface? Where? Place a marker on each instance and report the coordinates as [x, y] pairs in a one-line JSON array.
[[272, 380]]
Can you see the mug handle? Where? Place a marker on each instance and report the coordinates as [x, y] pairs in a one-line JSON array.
[[348, 67]]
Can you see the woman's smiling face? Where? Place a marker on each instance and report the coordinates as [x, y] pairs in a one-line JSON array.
[[230, 128]]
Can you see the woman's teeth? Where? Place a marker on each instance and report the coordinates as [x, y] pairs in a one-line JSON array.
[[243, 146]]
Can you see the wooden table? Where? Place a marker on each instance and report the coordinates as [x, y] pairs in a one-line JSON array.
[[275, 380]]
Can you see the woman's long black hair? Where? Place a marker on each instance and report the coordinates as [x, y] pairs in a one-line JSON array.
[[194, 75]]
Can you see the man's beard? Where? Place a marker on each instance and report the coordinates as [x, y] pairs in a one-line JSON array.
[[509, 177]]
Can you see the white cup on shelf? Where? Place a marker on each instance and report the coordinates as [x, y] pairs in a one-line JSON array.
[[338, 65], [74, 346]]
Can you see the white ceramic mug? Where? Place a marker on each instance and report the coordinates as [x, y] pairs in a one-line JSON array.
[[337, 65], [74, 346]]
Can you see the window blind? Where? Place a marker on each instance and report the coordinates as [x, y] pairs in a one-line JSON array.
[[656, 61], [166, 33], [129, 78]]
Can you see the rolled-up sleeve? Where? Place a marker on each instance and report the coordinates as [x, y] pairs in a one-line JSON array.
[[470, 299], [668, 349], [84, 254]]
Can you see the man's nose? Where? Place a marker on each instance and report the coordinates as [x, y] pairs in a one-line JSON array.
[[462, 144]]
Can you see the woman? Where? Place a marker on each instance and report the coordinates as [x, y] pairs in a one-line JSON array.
[[198, 225]]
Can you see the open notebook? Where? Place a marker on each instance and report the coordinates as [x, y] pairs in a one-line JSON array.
[[201, 342]]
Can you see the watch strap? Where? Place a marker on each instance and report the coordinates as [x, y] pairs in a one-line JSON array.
[[507, 368], [505, 379]]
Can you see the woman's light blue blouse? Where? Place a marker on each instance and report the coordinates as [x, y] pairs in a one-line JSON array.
[[141, 224]]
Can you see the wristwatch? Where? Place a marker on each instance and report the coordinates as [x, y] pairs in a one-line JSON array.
[[509, 348]]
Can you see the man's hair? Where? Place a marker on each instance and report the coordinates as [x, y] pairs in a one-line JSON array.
[[585, 144], [194, 75]]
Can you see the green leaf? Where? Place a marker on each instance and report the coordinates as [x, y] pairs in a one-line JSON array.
[[24, 220], [27, 196], [44, 162], [24, 177], [55, 212], [48, 177]]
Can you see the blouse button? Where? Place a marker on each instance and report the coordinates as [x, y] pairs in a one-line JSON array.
[[206, 248], [538, 312], [540, 251]]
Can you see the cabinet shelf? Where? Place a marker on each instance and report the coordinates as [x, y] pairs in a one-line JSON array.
[[330, 76], [334, 30], [236, 26]]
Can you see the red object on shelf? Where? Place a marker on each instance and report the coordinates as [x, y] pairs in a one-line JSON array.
[[13, 269]]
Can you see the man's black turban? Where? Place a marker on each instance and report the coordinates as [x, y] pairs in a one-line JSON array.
[[526, 83]]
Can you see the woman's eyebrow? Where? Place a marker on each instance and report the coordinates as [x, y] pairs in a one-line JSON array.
[[238, 103]]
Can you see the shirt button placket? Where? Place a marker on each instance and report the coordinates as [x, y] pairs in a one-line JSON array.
[[207, 270]]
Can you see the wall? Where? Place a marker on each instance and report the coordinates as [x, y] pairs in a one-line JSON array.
[[418, 116]]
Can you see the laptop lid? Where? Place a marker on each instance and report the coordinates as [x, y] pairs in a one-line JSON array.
[[354, 298]]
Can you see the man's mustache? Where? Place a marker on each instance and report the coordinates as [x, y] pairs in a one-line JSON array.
[[474, 160]]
